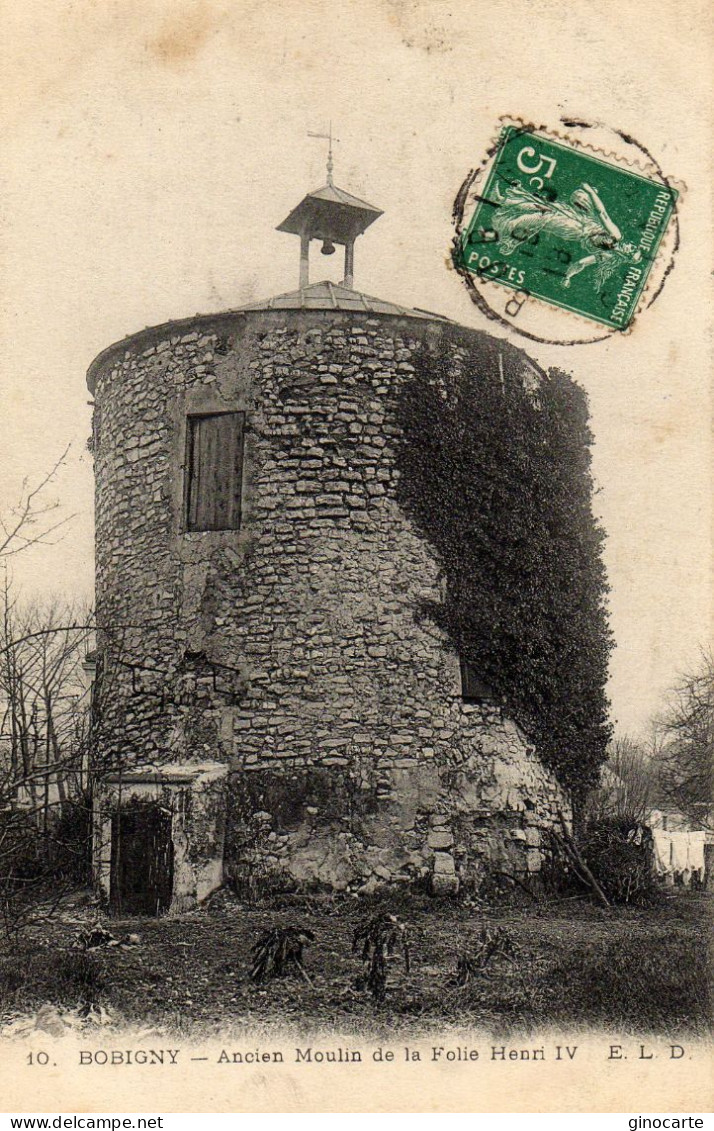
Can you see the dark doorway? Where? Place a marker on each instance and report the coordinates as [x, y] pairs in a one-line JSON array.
[[142, 869]]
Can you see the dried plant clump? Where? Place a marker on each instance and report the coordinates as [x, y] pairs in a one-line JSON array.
[[279, 952], [379, 940]]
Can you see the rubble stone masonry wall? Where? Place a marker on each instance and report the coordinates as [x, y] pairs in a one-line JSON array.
[[293, 649]]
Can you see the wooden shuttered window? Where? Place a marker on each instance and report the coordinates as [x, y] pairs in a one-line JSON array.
[[214, 468]]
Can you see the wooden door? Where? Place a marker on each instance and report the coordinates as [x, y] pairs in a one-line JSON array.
[[142, 869]]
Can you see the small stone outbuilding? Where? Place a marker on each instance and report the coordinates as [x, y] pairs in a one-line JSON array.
[[159, 836]]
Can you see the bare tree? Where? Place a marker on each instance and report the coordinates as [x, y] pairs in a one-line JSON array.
[[44, 720], [684, 746], [42, 686], [33, 518], [628, 784], [43, 752]]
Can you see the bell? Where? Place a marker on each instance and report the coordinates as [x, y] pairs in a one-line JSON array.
[[328, 248]]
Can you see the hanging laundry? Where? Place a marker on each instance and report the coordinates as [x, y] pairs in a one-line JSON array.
[[696, 851], [662, 844], [680, 851]]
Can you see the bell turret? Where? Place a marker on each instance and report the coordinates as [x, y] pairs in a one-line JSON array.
[[332, 216]]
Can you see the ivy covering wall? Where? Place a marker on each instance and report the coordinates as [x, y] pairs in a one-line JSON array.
[[495, 473]]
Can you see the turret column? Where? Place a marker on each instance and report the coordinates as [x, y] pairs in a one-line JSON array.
[[304, 259], [349, 279]]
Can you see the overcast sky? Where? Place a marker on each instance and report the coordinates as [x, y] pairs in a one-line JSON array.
[[150, 148]]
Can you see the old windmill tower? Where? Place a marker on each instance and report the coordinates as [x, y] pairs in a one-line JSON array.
[[271, 701]]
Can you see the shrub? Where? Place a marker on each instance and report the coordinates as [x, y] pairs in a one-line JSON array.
[[619, 855], [71, 854], [41, 862], [78, 975]]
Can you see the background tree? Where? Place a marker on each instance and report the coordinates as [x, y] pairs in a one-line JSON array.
[[43, 697], [44, 800], [44, 809], [684, 744], [628, 784], [33, 518]]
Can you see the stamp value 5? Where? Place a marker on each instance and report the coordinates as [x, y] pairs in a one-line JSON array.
[[565, 226]]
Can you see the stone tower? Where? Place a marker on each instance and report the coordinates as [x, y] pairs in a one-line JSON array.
[[270, 702]]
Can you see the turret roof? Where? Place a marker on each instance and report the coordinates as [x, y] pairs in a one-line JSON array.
[[335, 296], [339, 213]]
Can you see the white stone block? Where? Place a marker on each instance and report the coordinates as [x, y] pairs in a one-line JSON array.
[[440, 838], [444, 863]]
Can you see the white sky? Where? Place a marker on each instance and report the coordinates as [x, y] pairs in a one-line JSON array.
[[151, 146]]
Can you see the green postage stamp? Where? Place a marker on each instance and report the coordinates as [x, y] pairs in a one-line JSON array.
[[566, 226]]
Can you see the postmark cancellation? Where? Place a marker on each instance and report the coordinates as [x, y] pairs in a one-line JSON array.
[[548, 218]]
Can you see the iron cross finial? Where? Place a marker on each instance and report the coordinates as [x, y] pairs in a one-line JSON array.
[[330, 163]]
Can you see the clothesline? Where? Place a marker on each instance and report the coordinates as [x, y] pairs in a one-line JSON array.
[[678, 852]]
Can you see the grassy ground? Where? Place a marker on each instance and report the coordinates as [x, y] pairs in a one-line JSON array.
[[643, 970]]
